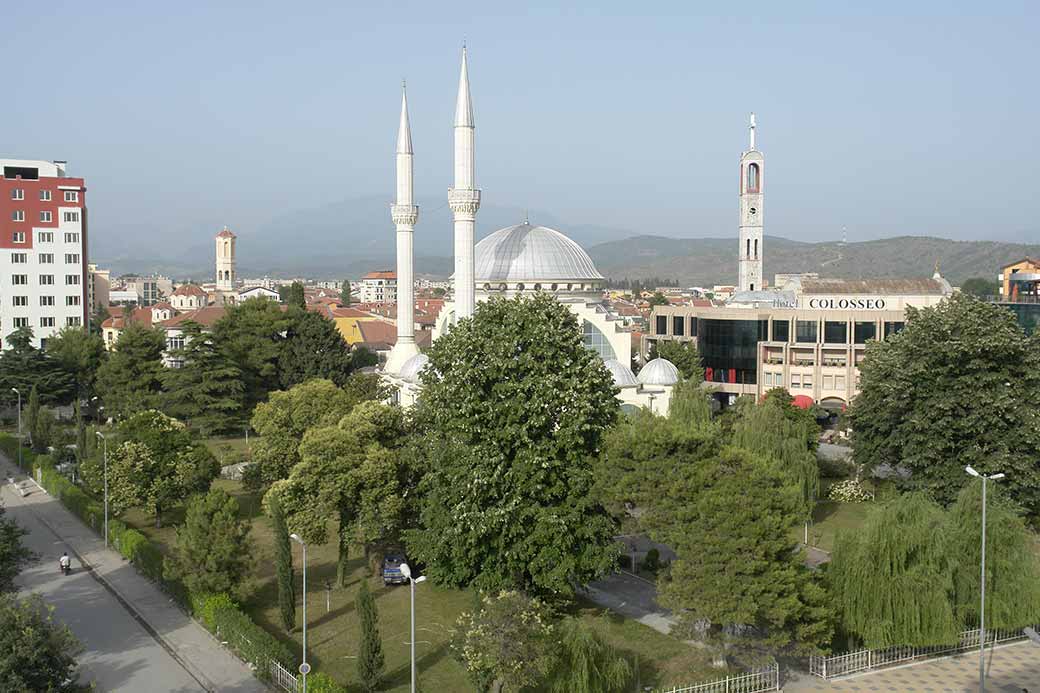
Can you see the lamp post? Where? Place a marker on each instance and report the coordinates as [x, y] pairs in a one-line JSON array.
[[982, 608], [15, 390], [304, 666], [412, 582], [101, 435]]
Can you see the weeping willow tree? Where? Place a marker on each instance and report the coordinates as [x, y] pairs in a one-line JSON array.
[[891, 579], [690, 404], [1012, 567], [587, 664]]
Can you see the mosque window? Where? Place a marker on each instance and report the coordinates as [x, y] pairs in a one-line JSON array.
[[537, 287], [570, 286], [597, 341], [756, 248], [747, 253], [501, 287], [520, 287], [752, 178], [555, 286], [487, 287]]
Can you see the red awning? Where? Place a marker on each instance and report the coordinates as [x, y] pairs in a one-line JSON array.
[[803, 401]]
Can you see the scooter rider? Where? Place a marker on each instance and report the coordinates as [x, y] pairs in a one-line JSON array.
[[64, 563]]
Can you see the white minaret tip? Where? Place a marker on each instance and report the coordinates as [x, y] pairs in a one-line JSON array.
[[404, 132], [464, 105], [751, 129]]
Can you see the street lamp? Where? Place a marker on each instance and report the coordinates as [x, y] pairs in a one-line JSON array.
[[407, 572], [982, 609], [15, 390], [101, 435], [304, 666]]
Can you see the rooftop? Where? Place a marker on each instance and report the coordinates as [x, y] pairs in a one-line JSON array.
[[875, 286]]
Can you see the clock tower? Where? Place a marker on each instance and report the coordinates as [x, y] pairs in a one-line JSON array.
[[750, 251]]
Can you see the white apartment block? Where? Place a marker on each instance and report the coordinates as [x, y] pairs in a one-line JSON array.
[[378, 287]]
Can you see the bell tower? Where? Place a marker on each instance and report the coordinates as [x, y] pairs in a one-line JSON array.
[[750, 251], [225, 260]]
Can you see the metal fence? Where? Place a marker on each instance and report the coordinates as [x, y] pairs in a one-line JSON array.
[[767, 679], [283, 678], [865, 660]]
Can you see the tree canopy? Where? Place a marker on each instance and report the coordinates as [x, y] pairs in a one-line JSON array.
[[14, 555], [36, 653], [212, 551], [514, 408], [980, 287], [344, 292], [130, 379], [251, 334], [206, 389], [80, 353], [959, 386], [23, 366], [683, 355], [313, 348]]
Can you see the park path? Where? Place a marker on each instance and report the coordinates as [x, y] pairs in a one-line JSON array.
[[137, 640]]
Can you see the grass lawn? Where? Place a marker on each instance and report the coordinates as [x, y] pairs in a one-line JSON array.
[[333, 633], [221, 446]]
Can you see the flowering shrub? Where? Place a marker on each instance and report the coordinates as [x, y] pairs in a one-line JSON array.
[[850, 491]]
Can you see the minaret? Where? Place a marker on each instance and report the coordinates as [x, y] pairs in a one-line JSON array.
[[464, 198], [751, 250], [225, 260], [405, 214]]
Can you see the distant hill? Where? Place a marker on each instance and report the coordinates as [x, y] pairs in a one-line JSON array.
[[709, 261]]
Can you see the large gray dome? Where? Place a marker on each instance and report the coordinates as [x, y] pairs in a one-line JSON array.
[[411, 368], [527, 253], [623, 377], [659, 372]]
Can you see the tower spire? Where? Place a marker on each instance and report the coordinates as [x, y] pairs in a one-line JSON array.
[[464, 197], [404, 214], [463, 103], [404, 131]]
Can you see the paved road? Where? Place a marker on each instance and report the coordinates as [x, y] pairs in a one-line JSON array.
[[120, 654]]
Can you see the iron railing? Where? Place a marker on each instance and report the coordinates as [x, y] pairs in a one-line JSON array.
[[283, 678], [766, 679]]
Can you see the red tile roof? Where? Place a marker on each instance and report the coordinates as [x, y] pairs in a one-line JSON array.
[[189, 290], [117, 319], [381, 274], [206, 317], [379, 335], [225, 233]]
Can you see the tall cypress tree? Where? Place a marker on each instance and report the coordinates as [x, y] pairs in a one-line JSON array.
[[81, 432], [207, 389], [370, 655], [283, 564]]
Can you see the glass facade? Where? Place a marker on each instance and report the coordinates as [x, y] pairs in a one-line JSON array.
[[678, 325], [865, 331], [835, 332], [892, 328], [806, 331], [729, 349], [597, 341], [781, 330]]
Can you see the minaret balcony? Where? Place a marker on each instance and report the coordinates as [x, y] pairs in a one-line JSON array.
[[464, 201], [404, 215]]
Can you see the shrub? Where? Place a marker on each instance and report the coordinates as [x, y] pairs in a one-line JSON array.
[[252, 643], [838, 468], [850, 491], [652, 561], [323, 683]]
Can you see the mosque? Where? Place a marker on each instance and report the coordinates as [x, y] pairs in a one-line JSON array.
[[510, 262]]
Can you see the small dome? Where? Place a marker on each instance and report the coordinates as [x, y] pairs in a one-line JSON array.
[[622, 375], [412, 367], [659, 372], [528, 253]]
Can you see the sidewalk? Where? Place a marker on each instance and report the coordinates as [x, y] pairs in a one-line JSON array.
[[191, 645]]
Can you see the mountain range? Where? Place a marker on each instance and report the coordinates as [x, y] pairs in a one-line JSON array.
[[351, 237]]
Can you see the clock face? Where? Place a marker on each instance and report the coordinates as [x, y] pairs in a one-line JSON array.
[[752, 211]]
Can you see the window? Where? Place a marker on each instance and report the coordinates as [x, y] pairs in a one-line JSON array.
[[46, 279], [46, 300], [781, 330], [18, 237], [796, 380], [174, 342], [892, 328], [72, 237], [805, 331], [839, 382], [19, 279], [20, 300], [748, 253], [73, 322], [779, 380], [45, 195], [71, 279], [661, 323], [72, 300], [71, 258], [19, 258], [46, 322], [828, 382], [45, 236], [767, 378], [18, 215], [17, 194], [729, 349], [46, 258], [45, 217], [21, 322], [597, 341], [73, 196], [752, 178], [864, 331], [678, 325], [71, 216], [807, 380], [835, 332]]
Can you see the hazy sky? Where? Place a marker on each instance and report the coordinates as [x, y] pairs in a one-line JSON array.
[[885, 117]]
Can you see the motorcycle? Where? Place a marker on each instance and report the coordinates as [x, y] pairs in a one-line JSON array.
[[65, 568]]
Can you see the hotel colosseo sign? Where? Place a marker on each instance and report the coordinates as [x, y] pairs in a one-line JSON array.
[[844, 303]]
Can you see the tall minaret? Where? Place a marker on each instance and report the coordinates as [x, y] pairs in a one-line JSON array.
[[405, 214], [751, 250], [464, 198], [225, 260]]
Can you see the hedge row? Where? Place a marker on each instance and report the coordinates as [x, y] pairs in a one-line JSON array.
[[216, 612], [9, 446]]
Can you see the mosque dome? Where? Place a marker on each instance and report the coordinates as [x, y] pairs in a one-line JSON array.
[[659, 372], [412, 367], [532, 253], [622, 375]]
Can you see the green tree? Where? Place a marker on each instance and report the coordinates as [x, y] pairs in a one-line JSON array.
[[1012, 566], [36, 653], [212, 551], [959, 386], [250, 333], [32, 421], [344, 293], [130, 381], [313, 348], [979, 287], [206, 389], [514, 399], [506, 644], [23, 366], [297, 297], [891, 578], [287, 415], [586, 664], [80, 353], [683, 355], [14, 555], [157, 464], [283, 562], [370, 653], [82, 444], [658, 299], [690, 403]]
